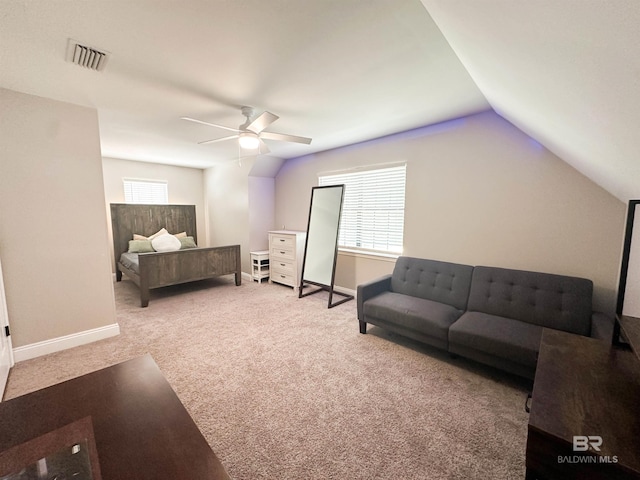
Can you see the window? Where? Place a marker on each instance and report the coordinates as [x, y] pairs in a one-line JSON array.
[[145, 191], [373, 208]]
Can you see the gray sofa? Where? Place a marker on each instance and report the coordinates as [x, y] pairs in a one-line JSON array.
[[491, 315]]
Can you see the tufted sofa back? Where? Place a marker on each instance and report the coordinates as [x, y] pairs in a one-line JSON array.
[[432, 280], [554, 301]]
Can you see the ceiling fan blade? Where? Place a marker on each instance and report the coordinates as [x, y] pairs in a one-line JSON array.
[[206, 142], [209, 124], [285, 138], [262, 121], [263, 148]]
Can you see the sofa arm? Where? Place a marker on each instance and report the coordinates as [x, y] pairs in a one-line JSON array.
[[371, 289], [602, 326]]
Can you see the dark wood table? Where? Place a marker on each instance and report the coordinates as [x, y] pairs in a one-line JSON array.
[[584, 387], [141, 429]]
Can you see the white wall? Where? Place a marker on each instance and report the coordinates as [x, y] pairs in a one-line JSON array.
[[227, 207], [240, 207], [185, 187], [261, 211], [53, 227], [481, 192]]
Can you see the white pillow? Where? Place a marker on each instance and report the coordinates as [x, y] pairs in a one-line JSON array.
[[162, 231], [165, 243]]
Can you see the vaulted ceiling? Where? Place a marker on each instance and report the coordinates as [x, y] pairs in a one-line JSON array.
[[566, 72]]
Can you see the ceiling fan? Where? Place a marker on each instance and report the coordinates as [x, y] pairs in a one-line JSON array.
[[251, 133]]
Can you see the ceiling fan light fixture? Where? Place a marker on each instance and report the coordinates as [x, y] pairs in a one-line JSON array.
[[249, 140]]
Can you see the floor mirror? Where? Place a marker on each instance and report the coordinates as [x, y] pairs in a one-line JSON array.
[[628, 304], [321, 247]]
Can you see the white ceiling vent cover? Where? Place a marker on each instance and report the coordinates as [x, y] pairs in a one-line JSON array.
[[85, 56]]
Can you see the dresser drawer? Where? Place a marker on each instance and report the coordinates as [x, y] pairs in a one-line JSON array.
[[288, 241], [284, 241], [284, 278], [278, 251], [282, 266]]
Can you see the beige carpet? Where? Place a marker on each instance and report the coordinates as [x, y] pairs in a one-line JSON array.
[[284, 388]]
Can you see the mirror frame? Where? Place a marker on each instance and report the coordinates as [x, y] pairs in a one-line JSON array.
[[331, 251]]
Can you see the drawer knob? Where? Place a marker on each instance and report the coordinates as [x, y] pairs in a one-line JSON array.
[[282, 252]]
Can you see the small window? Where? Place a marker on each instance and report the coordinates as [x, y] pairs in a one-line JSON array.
[[145, 191], [373, 208]]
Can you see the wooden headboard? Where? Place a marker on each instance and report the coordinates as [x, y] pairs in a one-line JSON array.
[[127, 219]]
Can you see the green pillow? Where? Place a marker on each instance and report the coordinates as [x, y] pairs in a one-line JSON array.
[[187, 242], [140, 246]]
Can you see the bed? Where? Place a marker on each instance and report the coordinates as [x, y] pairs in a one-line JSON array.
[[160, 269]]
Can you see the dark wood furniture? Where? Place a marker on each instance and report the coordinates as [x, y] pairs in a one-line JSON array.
[[161, 269], [141, 429], [629, 327], [584, 387]]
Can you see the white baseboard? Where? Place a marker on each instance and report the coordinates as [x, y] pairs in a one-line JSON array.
[[337, 288], [345, 290], [45, 347]]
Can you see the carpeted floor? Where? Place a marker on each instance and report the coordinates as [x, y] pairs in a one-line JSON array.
[[284, 388]]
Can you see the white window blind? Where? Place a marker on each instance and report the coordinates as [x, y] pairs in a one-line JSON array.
[[373, 208], [145, 191]]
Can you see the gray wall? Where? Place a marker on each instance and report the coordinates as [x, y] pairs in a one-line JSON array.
[[479, 191], [53, 226]]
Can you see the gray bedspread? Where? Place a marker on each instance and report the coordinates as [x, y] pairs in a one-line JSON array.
[[130, 260]]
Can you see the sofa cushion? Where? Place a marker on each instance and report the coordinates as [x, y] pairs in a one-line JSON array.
[[502, 337], [442, 282], [418, 314], [543, 299]]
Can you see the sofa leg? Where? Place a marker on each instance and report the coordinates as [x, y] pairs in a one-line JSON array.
[[363, 327]]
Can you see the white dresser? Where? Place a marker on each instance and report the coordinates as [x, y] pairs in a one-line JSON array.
[[286, 252]]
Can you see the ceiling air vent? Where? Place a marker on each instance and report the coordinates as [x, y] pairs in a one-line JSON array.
[[86, 56]]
